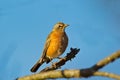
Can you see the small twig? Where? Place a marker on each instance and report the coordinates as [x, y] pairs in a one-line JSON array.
[[62, 61]]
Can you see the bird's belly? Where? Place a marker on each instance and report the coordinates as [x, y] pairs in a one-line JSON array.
[[56, 47], [52, 51]]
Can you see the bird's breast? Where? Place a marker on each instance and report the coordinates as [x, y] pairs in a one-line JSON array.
[[58, 44]]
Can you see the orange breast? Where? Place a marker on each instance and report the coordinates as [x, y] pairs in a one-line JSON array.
[[55, 44], [52, 50]]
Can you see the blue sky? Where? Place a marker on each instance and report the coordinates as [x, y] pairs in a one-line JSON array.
[[25, 24]]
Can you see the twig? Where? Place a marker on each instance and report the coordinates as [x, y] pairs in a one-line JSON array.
[[62, 61]]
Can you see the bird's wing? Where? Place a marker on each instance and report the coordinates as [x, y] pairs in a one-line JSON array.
[[47, 43]]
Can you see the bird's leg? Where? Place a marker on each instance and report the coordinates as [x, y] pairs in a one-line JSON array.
[[60, 58], [53, 64]]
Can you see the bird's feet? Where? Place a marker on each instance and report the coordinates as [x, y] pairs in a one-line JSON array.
[[54, 65], [60, 58]]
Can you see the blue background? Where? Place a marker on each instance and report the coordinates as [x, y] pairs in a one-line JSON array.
[[25, 24]]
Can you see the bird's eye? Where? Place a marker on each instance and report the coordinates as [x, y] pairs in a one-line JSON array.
[[60, 26]]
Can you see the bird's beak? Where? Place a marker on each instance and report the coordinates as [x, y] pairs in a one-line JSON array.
[[66, 25]]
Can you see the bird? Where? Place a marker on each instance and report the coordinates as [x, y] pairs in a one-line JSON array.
[[55, 45]]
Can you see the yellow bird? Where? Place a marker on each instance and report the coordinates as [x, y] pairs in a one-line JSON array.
[[56, 44]]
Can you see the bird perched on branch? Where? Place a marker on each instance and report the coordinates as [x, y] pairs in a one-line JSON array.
[[56, 44]]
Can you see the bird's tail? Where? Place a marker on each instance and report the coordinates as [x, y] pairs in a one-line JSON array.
[[36, 66]]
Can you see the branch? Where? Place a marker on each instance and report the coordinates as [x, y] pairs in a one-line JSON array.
[[62, 61], [87, 72], [106, 61], [65, 74], [106, 74]]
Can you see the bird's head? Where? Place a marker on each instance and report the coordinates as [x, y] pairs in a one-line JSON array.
[[60, 26]]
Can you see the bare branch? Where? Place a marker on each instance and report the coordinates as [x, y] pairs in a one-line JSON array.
[[62, 61], [87, 72], [106, 61], [106, 74], [65, 74]]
